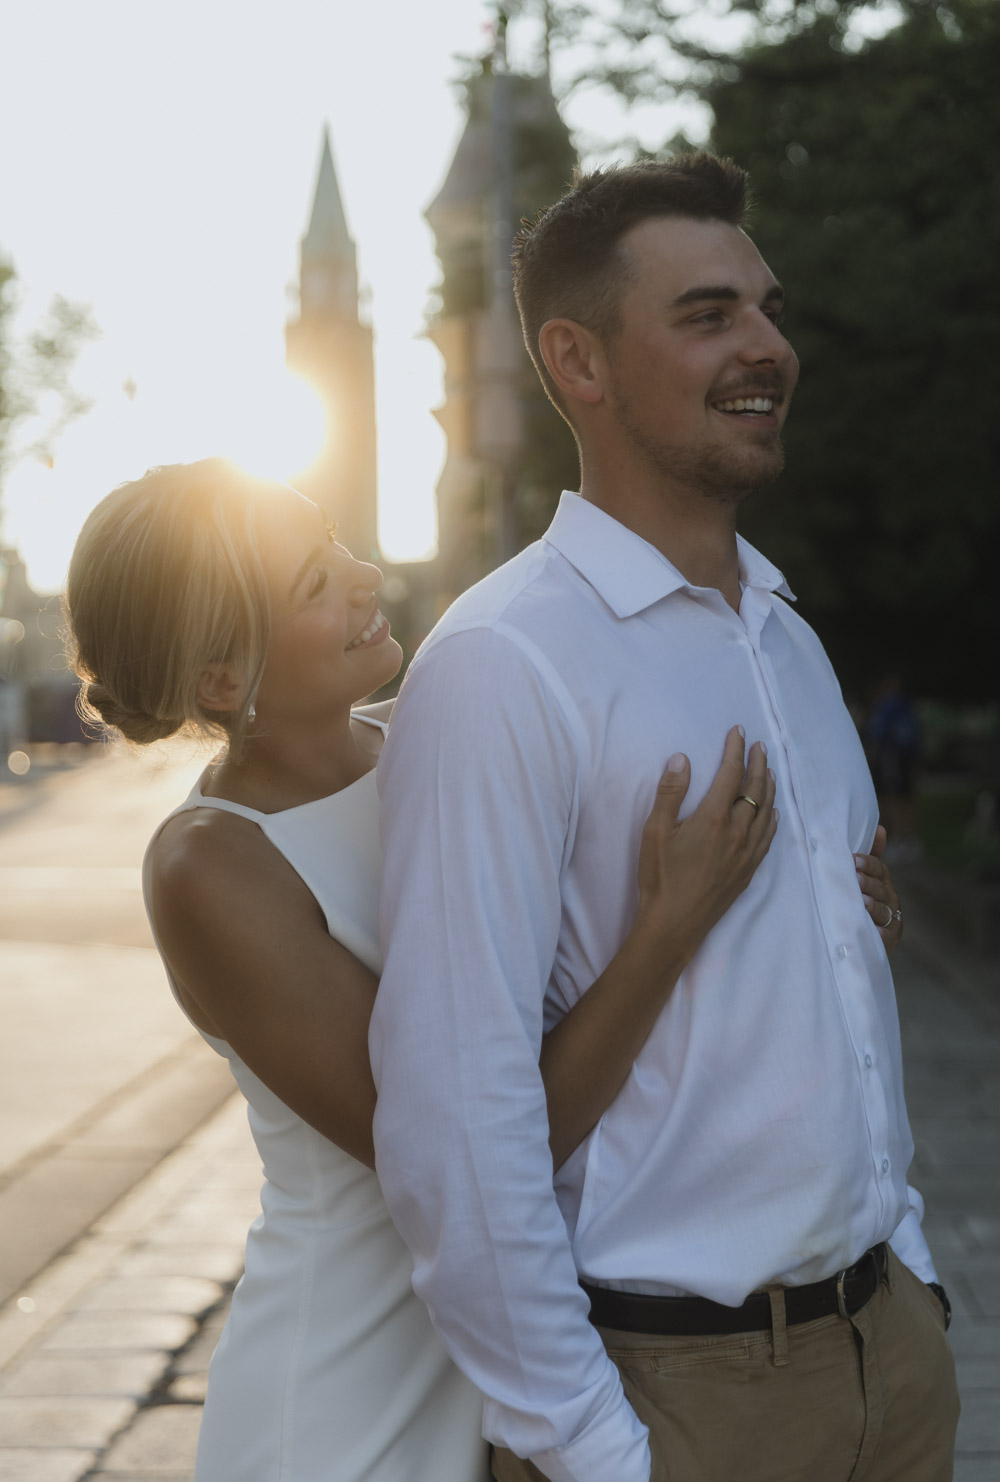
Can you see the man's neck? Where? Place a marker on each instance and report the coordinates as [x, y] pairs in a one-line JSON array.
[[696, 533]]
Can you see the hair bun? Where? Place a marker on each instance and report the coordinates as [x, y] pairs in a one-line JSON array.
[[99, 704]]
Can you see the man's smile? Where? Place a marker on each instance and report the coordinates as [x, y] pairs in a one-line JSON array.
[[751, 404]]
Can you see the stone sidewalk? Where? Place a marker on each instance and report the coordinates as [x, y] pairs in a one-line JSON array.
[[103, 1358], [948, 991]]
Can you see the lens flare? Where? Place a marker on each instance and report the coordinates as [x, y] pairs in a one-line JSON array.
[[277, 429]]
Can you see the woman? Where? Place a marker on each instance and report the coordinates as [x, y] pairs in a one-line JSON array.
[[200, 598]]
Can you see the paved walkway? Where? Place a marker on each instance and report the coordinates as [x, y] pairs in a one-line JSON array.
[[103, 1357], [100, 1076]]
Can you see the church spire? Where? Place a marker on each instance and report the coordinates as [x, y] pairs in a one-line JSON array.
[[327, 237], [328, 276], [330, 348]]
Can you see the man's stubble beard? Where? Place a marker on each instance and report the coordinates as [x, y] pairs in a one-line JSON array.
[[724, 475]]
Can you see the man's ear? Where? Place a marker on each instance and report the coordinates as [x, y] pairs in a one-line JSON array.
[[219, 688], [574, 359]]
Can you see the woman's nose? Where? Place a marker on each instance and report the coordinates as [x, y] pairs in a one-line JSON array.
[[365, 579]]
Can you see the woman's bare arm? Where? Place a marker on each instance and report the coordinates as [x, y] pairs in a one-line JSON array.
[[256, 966]]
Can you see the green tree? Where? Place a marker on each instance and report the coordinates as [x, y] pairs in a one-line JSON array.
[[878, 206], [876, 201], [37, 397]]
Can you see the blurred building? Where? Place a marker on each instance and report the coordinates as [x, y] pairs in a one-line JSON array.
[[509, 454], [330, 346], [37, 690]]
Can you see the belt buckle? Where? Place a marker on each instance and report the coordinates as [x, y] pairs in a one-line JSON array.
[[853, 1271]]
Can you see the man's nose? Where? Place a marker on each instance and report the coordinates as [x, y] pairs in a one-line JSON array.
[[766, 345]]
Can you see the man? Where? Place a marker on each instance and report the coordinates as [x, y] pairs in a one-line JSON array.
[[760, 1145]]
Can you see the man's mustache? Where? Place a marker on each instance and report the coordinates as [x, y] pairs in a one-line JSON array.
[[757, 386]]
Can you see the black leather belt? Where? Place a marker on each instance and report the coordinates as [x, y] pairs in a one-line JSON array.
[[845, 1293]]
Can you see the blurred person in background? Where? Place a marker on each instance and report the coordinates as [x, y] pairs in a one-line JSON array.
[[201, 600], [892, 742]]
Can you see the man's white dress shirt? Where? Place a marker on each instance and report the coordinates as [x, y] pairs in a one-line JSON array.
[[761, 1135]]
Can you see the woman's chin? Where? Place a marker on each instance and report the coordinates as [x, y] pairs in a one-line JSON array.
[[386, 662]]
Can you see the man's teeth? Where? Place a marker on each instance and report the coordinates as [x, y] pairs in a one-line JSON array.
[[754, 404], [369, 632]]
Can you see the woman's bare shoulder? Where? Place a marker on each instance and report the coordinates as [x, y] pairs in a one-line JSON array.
[[199, 839], [207, 859]]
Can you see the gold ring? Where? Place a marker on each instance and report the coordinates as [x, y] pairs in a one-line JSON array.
[[744, 799]]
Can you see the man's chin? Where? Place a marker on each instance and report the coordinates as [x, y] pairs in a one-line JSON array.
[[730, 479]]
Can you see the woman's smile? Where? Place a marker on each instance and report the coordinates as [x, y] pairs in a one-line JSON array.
[[376, 630]]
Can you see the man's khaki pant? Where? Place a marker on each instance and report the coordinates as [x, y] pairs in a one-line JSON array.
[[872, 1399]]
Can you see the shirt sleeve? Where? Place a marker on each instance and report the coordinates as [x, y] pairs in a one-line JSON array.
[[908, 1241], [477, 785]]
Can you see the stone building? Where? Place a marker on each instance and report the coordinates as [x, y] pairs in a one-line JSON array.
[[506, 446], [37, 690]]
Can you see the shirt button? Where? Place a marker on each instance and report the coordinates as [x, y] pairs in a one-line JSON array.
[[841, 951], [868, 1061], [885, 1165], [813, 845]]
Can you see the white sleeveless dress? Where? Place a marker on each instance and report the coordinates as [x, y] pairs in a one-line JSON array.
[[328, 1369]]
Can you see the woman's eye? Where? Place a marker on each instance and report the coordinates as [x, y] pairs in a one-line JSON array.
[[319, 582]]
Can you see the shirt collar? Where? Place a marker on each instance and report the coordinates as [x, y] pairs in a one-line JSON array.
[[625, 570], [757, 571]]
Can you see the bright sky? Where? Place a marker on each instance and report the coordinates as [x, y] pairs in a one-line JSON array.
[[158, 163]]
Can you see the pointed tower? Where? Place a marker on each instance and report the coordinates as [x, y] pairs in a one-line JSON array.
[[329, 346], [508, 453]]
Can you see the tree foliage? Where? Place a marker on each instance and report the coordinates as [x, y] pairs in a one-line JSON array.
[[37, 397], [878, 205]]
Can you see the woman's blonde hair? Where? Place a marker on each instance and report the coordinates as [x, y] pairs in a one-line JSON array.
[[165, 580]]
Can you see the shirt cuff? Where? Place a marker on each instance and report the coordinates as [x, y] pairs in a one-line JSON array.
[[908, 1243], [616, 1448]]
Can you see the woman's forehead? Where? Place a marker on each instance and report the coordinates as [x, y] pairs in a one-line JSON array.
[[285, 510]]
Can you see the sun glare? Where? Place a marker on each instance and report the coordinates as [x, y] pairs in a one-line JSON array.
[[411, 446], [275, 426]]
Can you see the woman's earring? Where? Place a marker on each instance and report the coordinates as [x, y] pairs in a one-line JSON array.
[[252, 713]]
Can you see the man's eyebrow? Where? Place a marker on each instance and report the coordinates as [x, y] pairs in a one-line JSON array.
[[317, 550], [713, 292]]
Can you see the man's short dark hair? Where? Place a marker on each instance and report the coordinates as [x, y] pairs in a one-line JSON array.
[[568, 263]]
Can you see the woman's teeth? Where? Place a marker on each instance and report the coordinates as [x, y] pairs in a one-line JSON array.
[[368, 633]]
